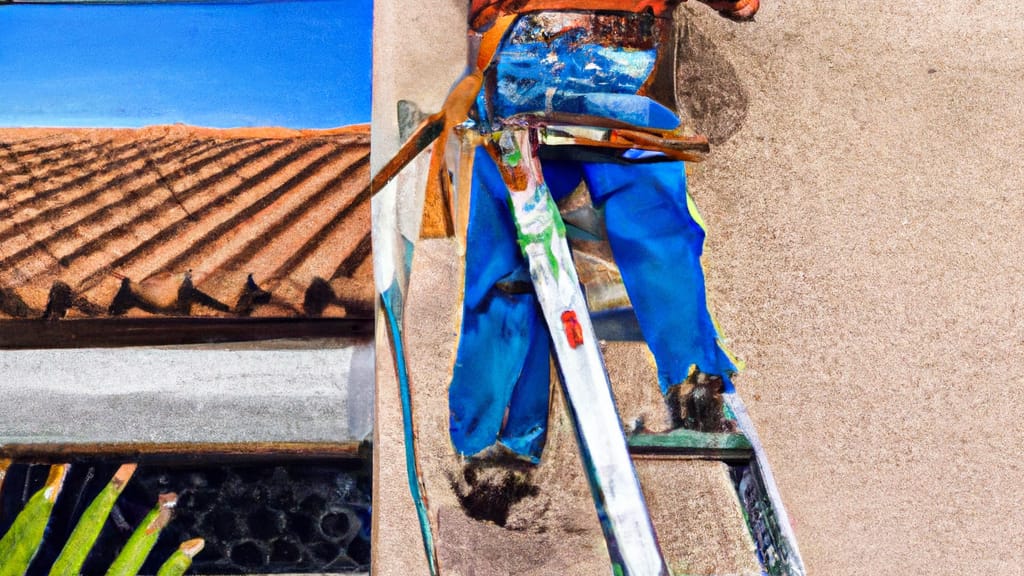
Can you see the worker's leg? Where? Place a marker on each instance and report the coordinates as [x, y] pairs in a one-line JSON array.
[[501, 380], [657, 241]]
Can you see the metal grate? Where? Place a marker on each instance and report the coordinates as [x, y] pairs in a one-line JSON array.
[[296, 516]]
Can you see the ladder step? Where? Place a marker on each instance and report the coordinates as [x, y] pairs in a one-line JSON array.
[[683, 443], [698, 517]]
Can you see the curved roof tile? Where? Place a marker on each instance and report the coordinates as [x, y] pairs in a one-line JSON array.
[[177, 221]]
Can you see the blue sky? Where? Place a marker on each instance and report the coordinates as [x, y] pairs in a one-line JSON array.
[[299, 64]]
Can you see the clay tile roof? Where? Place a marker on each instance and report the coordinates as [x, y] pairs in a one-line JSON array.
[[178, 221]]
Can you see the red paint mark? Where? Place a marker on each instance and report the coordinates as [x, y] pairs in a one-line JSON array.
[[573, 330]]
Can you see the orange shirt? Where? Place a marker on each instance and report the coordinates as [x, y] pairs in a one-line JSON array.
[[483, 13]]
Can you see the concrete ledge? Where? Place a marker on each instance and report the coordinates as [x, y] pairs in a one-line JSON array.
[[278, 391]]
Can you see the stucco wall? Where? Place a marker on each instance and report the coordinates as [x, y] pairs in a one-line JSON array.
[[864, 259]]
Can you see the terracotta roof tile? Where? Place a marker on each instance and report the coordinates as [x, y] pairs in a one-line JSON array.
[[180, 221]]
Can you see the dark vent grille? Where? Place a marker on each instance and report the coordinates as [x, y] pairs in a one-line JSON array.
[[299, 516]]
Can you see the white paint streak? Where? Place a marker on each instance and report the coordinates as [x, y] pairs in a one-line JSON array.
[[586, 383]]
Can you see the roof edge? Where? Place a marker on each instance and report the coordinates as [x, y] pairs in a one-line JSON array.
[[163, 130]]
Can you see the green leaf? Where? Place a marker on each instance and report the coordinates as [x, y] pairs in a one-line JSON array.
[[81, 541], [134, 553], [180, 561], [20, 543]]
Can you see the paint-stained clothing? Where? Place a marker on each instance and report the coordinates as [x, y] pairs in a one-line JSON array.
[[564, 62], [501, 381], [483, 13]]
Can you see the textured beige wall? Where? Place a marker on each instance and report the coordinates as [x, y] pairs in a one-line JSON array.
[[865, 259], [419, 51]]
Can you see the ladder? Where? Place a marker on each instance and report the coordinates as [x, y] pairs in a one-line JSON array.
[[625, 520], [628, 530]]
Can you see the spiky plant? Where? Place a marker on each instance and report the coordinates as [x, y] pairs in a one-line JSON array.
[[22, 541]]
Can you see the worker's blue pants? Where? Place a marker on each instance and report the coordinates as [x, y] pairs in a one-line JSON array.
[[500, 386]]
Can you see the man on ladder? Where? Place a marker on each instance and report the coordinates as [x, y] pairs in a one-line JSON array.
[[592, 66], [584, 73], [584, 63]]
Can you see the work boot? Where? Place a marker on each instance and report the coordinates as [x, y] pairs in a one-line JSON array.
[[489, 490], [697, 403]]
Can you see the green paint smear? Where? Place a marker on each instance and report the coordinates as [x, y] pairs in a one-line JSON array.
[[510, 153], [513, 158], [84, 536], [547, 237]]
